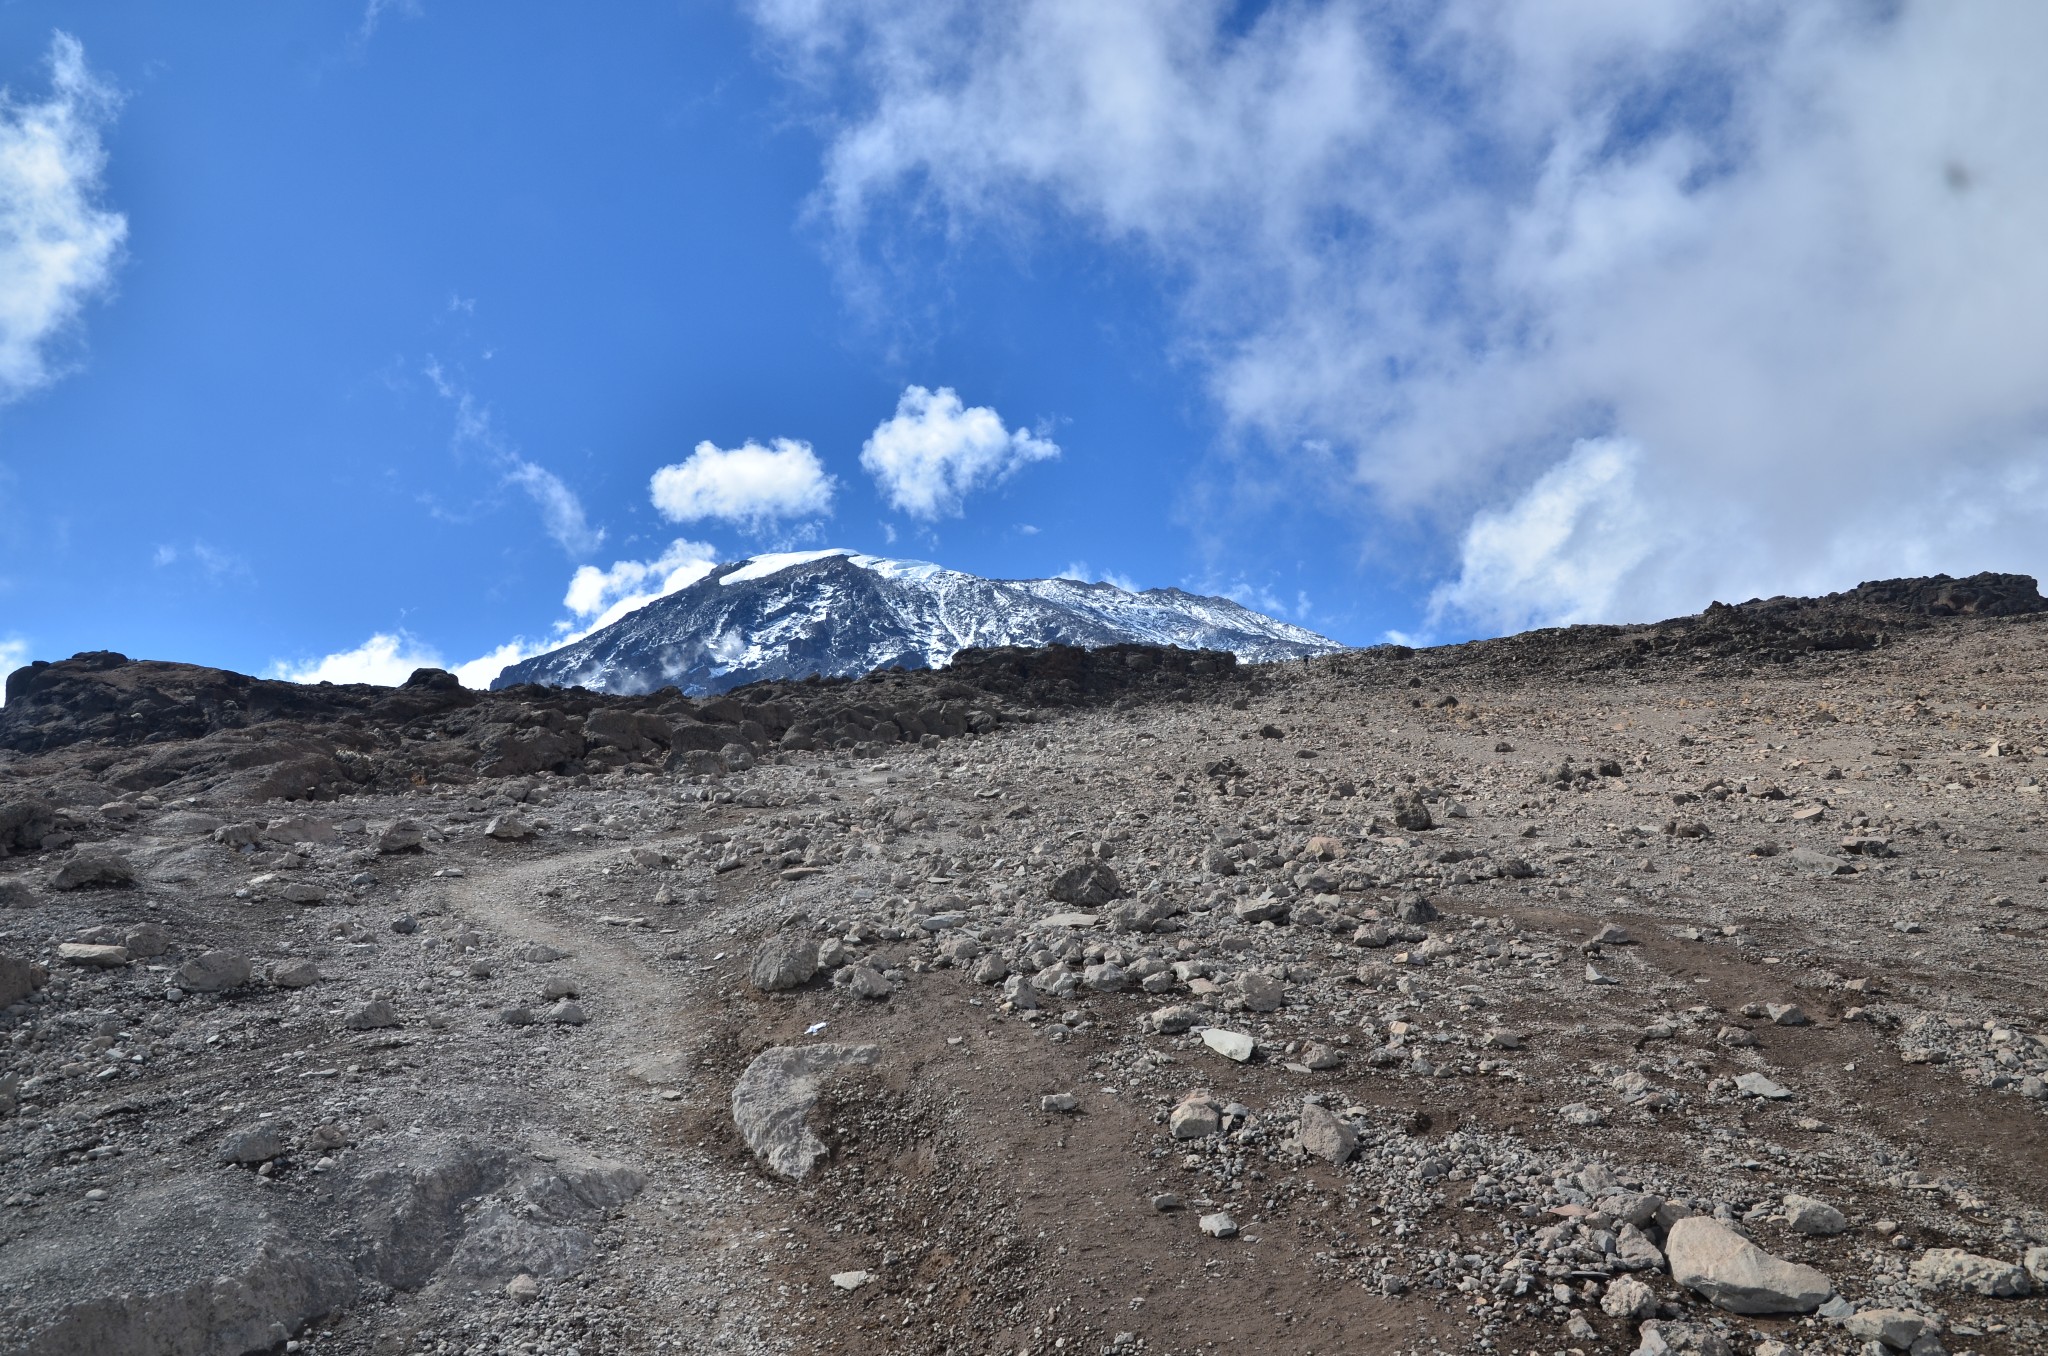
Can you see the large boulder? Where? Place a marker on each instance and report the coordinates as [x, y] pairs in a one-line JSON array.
[[776, 1093], [1728, 1270]]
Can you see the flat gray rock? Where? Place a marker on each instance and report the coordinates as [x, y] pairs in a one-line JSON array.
[[776, 1093], [1728, 1270]]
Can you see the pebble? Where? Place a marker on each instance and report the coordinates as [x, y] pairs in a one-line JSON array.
[[1219, 1225]]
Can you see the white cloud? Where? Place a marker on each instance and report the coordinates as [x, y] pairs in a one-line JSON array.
[[600, 597], [14, 654], [934, 452], [749, 485], [561, 512], [1561, 552], [386, 659], [595, 599], [1784, 251], [58, 247]]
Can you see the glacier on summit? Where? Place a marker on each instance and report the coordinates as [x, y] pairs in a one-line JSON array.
[[842, 614]]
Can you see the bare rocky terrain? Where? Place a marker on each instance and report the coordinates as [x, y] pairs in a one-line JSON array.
[[1678, 988]]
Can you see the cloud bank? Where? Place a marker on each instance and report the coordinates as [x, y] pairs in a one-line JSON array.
[[750, 486], [934, 452], [1618, 307], [58, 246]]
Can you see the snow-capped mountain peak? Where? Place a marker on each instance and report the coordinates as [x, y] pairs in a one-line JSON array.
[[841, 613]]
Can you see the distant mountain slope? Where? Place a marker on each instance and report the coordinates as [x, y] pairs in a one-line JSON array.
[[841, 614]]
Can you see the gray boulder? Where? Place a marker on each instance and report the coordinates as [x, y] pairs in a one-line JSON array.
[[1090, 885], [776, 1093], [1325, 1136], [1728, 1270], [94, 866], [1956, 1270], [213, 971], [784, 962]]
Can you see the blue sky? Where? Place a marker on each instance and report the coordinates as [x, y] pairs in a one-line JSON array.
[[336, 337]]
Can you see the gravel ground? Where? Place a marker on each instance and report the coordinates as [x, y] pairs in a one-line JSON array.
[[1530, 955]]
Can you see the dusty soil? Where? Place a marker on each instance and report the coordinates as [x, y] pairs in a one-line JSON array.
[[1836, 806]]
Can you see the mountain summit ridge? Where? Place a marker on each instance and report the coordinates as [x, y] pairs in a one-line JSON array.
[[841, 613]]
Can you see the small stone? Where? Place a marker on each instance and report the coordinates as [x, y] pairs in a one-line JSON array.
[[295, 974], [93, 957], [1659, 1338], [1896, 1328], [250, 1147], [1954, 1269], [1233, 1045], [1323, 1135], [1320, 1057], [1197, 1117], [214, 971], [405, 925], [862, 981], [1260, 992], [374, 1015], [1166, 1202], [561, 986], [509, 828], [1628, 1298], [1754, 1084], [1611, 934], [147, 941], [784, 963], [1104, 978], [566, 1013], [94, 866], [1787, 1014], [1593, 976], [1219, 1225], [1169, 1021], [1062, 1103], [1500, 1038], [1805, 1215], [403, 836], [303, 892], [852, 1280], [522, 1289], [518, 1016]]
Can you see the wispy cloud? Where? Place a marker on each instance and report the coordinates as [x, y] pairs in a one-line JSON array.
[[1423, 253], [209, 560], [935, 451], [373, 17], [562, 513], [58, 246]]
